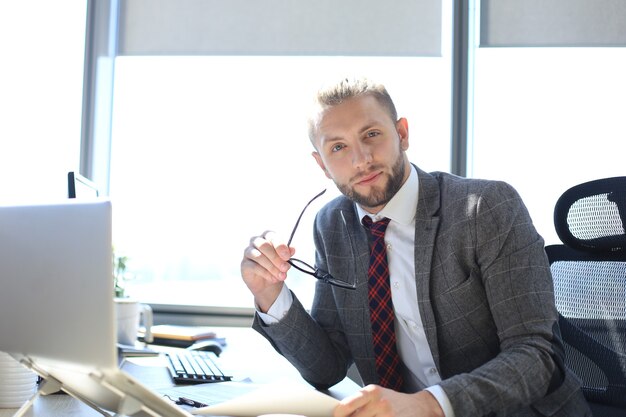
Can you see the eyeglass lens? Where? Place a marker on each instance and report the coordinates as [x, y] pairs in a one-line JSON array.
[[308, 269]]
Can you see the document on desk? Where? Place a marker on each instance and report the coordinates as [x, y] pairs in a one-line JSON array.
[[276, 398]]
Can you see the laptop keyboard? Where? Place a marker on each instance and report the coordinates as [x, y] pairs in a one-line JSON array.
[[194, 367]]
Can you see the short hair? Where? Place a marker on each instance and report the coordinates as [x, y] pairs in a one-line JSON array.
[[346, 89]]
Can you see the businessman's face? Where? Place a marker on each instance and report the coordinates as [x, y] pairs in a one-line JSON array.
[[362, 150]]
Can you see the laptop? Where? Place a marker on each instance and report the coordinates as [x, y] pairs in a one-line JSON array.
[[57, 305]]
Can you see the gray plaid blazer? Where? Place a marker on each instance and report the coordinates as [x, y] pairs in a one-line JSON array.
[[484, 292]]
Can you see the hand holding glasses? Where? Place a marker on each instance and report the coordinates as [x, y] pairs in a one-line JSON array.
[[308, 269]]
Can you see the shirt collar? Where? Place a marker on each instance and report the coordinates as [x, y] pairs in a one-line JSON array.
[[402, 206]]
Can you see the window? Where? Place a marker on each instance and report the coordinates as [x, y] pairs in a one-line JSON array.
[[547, 119], [209, 151], [41, 83], [548, 100]]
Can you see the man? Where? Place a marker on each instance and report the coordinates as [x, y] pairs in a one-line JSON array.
[[474, 322]]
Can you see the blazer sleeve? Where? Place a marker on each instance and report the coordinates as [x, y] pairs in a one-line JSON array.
[[320, 355], [513, 270]]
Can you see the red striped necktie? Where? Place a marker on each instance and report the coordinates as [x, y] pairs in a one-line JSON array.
[[388, 363]]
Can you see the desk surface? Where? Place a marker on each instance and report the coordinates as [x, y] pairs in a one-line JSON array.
[[247, 355]]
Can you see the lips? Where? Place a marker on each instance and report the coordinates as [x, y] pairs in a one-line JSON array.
[[368, 179]]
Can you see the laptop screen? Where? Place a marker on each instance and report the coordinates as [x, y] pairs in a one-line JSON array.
[[56, 301]]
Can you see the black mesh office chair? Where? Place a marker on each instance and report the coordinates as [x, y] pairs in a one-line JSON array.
[[589, 272]]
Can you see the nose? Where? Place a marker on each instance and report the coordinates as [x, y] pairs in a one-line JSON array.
[[361, 155]]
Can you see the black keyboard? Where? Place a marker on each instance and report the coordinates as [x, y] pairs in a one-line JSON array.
[[194, 367]]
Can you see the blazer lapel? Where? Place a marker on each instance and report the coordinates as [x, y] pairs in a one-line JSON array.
[[426, 225], [358, 299], [357, 240]]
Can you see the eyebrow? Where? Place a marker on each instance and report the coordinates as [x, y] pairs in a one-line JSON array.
[[368, 126], [365, 128]]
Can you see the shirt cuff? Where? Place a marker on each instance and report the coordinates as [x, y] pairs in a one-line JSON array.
[[279, 309], [443, 400]]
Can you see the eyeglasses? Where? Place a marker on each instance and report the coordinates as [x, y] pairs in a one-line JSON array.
[[308, 269]]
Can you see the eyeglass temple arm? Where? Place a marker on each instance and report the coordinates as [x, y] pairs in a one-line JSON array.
[[322, 276], [300, 216], [327, 278]]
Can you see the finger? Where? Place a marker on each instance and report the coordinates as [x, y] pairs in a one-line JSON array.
[[278, 252], [263, 252], [251, 270], [351, 404], [260, 263], [279, 244], [377, 403], [269, 251]]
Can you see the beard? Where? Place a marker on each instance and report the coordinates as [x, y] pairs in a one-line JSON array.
[[378, 196]]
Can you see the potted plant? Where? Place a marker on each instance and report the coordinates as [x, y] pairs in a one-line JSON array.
[[119, 275], [129, 312]]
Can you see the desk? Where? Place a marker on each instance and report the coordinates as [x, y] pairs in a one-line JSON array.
[[247, 354]]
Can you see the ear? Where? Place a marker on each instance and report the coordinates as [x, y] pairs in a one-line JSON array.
[[318, 159], [402, 127]]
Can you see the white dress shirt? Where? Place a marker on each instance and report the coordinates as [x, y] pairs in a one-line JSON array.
[[410, 336]]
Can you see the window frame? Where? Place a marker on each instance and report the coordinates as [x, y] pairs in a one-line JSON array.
[[103, 46]]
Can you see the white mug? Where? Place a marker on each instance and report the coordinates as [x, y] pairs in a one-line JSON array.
[[130, 313], [17, 382]]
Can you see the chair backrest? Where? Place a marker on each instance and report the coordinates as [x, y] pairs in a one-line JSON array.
[[589, 273]]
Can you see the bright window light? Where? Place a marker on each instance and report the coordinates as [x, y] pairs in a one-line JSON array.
[[209, 151], [547, 119], [41, 85]]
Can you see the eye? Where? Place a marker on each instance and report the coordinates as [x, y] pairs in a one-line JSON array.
[[337, 147], [372, 133]]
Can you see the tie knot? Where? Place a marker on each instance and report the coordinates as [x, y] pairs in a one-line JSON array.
[[377, 228]]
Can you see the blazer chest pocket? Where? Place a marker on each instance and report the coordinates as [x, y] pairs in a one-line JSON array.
[[467, 301]]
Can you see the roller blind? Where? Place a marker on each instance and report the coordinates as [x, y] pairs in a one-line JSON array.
[[553, 23], [280, 27]]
